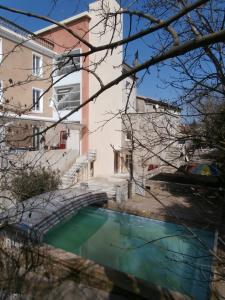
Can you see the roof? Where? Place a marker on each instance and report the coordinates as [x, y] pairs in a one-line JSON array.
[[160, 103], [65, 21]]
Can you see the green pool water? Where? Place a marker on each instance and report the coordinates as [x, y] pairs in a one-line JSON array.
[[159, 252]]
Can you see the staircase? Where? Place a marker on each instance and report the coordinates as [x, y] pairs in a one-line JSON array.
[[79, 171]]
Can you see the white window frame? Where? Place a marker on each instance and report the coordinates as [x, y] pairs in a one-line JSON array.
[[59, 71], [40, 110], [34, 54]]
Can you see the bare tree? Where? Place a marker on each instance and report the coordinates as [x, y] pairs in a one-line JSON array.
[[185, 36]]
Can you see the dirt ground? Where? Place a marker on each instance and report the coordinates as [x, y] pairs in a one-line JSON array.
[[200, 206]]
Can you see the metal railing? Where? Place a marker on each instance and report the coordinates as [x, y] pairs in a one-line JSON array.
[[25, 33]]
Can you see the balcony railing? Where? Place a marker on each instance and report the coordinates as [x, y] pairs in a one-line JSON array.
[[25, 33]]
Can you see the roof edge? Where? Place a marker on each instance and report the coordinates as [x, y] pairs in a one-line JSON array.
[[65, 21], [26, 42], [162, 103]]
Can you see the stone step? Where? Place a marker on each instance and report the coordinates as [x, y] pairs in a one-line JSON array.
[[70, 176]]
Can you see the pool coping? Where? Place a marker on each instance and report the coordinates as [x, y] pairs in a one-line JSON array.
[[134, 278], [140, 214], [105, 278], [159, 217]]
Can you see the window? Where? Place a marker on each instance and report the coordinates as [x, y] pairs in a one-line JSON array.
[[36, 138], [66, 64], [37, 100], [128, 161], [68, 97], [128, 87], [128, 135], [37, 65]]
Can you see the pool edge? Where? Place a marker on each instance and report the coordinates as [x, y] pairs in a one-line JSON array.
[[104, 278]]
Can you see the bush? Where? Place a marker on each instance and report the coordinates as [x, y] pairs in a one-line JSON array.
[[32, 182]]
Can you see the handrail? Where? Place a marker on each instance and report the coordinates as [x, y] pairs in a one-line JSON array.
[[25, 33]]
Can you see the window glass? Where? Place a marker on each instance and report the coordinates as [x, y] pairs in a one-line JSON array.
[[129, 135], [128, 161], [36, 99], [37, 65], [68, 97], [36, 138], [66, 65]]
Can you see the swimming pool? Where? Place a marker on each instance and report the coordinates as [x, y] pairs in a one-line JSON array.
[[159, 252]]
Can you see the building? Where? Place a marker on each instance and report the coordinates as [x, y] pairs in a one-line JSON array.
[[40, 87], [44, 81], [24, 76], [151, 136]]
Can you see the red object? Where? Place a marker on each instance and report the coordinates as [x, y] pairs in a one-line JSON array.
[[152, 167], [63, 138]]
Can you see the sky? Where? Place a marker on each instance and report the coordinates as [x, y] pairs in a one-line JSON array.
[[150, 87]]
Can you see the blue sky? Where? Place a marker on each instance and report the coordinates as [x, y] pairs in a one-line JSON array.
[[151, 86]]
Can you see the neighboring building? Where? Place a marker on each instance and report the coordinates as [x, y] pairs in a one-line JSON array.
[[151, 135], [41, 86]]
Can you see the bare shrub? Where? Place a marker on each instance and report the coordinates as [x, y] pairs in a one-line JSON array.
[[32, 182]]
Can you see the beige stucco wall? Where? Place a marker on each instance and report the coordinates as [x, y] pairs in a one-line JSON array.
[[108, 103], [16, 66], [155, 136]]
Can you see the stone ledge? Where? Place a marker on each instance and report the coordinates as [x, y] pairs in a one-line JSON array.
[[105, 278]]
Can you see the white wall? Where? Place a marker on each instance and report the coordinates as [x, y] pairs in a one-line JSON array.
[[73, 140], [110, 101]]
